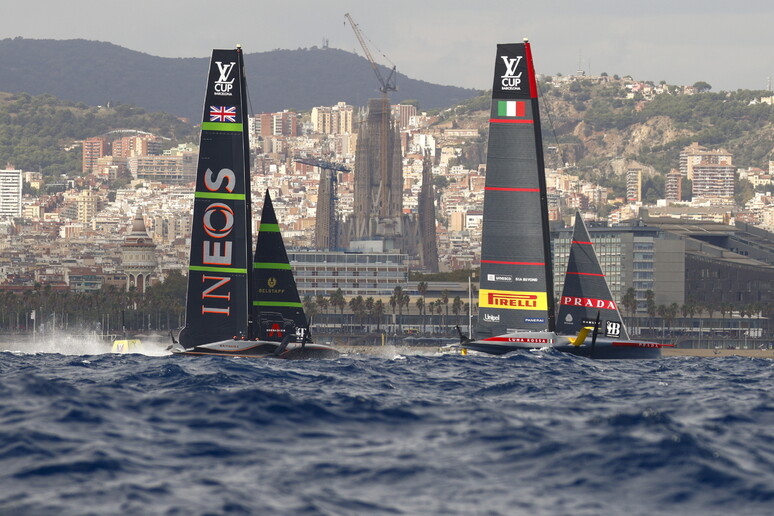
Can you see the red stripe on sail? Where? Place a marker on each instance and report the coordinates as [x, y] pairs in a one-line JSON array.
[[577, 242], [512, 263], [509, 121], [502, 189]]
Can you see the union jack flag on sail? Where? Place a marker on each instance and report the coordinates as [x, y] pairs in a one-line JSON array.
[[222, 113]]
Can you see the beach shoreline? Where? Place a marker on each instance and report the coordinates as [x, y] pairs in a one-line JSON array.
[[687, 352]]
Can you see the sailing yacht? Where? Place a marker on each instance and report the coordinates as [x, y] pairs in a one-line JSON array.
[[516, 296], [237, 304]]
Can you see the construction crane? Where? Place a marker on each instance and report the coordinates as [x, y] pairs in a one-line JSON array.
[[386, 85], [327, 165]]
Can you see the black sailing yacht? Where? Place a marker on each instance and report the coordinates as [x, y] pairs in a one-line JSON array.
[[516, 296], [237, 304]]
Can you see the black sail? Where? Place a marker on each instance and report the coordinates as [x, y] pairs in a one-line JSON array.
[[275, 296], [586, 292], [516, 290], [218, 299]]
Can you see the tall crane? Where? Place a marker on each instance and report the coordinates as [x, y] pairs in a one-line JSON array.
[[386, 85]]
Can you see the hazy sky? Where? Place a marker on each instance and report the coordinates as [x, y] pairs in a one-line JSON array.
[[730, 45]]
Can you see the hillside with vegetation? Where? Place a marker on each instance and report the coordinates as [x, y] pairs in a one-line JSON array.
[[96, 73], [43, 133], [598, 127]]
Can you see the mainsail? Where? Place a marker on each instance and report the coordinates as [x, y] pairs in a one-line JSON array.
[[275, 296], [219, 273], [516, 289], [586, 292]]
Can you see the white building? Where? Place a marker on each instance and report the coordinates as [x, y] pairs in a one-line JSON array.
[[10, 192]]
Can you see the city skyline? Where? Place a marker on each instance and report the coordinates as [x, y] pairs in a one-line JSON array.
[[450, 43]]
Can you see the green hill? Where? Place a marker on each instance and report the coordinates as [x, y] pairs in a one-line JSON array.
[[96, 73], [42, 133], [590, 125]]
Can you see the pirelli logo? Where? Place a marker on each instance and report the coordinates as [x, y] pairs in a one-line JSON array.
[[512, 300]]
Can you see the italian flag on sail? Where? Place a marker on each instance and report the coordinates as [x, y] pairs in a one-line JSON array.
[[510, 108]]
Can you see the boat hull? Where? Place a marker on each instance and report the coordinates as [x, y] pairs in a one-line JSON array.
[[260, 349], [601, 349]]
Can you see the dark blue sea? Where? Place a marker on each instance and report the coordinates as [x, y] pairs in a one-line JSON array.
[[538, 433]]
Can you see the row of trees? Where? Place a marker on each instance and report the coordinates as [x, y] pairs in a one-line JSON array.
[[370, 311], [108, 310], [690, 309], [162, 307]]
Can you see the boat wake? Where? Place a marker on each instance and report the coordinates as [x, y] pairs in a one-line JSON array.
[[73, 344]]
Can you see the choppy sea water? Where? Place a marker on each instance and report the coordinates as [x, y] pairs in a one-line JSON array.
[[534, 433]]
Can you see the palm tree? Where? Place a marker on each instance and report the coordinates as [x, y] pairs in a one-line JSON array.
[[405, 301], [337, 300], [445, 301], [369, 308], [671, 313], [322, 302], [357, 305], [378, 312], [661, 310], [457, 308], [396, 300], [650, 304], [629, 301], [422, 289], [438, 308], [420, 308]]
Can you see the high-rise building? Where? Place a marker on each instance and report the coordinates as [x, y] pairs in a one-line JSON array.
[[674, 186], [179, 169], [402, 113], [634, 185], [713, 181], [332, 120], [10, 192], [696, 154], [88, 203], [342, 116], [136, 145], [321, 120], [93, 149], [283, 123]]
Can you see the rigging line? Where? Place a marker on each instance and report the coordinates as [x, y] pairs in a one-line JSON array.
[[550, 122], [548, 112], [249, 101]]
